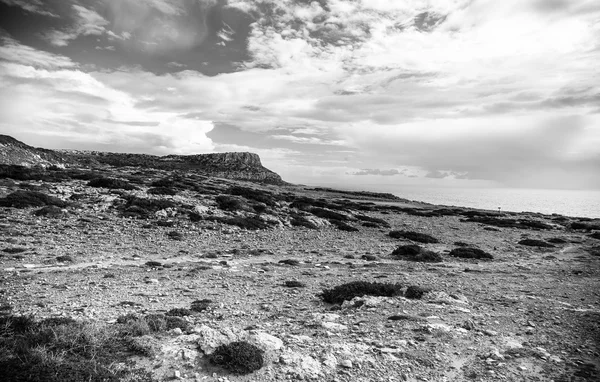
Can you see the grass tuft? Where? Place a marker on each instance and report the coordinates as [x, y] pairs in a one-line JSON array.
[[347, 292]]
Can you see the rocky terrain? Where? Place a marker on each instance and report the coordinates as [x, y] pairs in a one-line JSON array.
[[147, 274]]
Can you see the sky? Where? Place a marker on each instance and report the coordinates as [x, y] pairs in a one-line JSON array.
[[370, 94]]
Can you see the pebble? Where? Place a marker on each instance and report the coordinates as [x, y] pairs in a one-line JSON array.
[[346, 363]]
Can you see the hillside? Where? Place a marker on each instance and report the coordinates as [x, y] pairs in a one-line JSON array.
[[236, 165]]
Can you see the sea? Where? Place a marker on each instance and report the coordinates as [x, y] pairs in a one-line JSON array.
[[577, 203]]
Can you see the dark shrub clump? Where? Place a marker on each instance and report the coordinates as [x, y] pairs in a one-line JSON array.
[[180, 312], [201, 305], [535, 243], [50, 211], [343, 226], [347, 292], [24, 199], [238, 357], [414, 236], [374, 222], [416, 292], [111, 183], [162, 191], [253, 194], [470, 253], [231, 203], [414, 252], [301, 221], [294, 284], [595, 235], [292, 262]]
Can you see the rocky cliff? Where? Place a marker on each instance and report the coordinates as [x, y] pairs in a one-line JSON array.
[[241, 166]]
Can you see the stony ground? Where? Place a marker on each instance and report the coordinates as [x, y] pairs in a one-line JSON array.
[[530, 314]]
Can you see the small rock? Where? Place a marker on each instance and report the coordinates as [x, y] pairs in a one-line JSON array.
[[346, 363]]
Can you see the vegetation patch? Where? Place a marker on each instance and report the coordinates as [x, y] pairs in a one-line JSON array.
[[201, 305], [231, 203], [294, 284], [24, 199], [153, 264], [111, 183], [348, 291], [376, 222], [254, 194], [343, 226], [14, 250], [298, 220], [414, 292], [328, 214], [175, 235], [508, 223], [416, 253], [144, 208], [238, 357], [470, 253], [413, 236], [595, 235], [162, 191], [65, 259], [536, 243], [251, 223], [292, 262], [62, 349], [179, 312], [50, 212]]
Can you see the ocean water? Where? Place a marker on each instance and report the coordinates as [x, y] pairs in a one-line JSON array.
[[581, 203]]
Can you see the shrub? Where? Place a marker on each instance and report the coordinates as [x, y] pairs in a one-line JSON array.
[[535, 243], [153, 264], [343, 226], [378, 222], [558, 240], [50, 211], [231, 203], [238, 357], [14, 250], [253, 194], [327, 214], [414, 236], [294, 284], [414, 252], [180, 312], [347, 292], [415, 292], [595, 235], [201, 305], [470, 253], [65, 259], [292, 262], [111, 183], [175, 235], [301, 221], [24, 199], [162, 191], [252, 223], [144, 208]]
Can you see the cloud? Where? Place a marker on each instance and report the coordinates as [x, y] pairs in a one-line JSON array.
[[33, 6], [63, 106], [87, 23], [12, 50], [390, 172]]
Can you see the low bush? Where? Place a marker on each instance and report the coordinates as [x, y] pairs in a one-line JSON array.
[[414, 292], [470, 253], [251, 223], [328, 214], [162, 191], [201, 305], [536, 243], [347, 292], [231, 203], [238, 357], [253, 194], [50, 212], [416, 253], [414, 236], [378, 222], [144, 208], [24, 199], [342, 226], [292, 262], [179, 312], [595, 235], [14, 250], [301, 221], [111, 183], [294, 284]]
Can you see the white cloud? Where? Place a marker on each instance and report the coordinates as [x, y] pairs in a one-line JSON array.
[[33, 6], [88, 23], [11, 50]]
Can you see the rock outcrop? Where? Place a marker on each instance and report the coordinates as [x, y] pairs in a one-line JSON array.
[[240, 166], [15, 152]]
